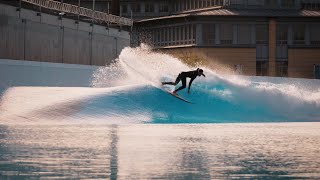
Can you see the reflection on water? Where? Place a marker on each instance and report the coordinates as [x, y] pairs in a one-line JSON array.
[[147, 151]]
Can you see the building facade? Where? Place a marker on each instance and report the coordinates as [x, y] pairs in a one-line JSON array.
[[251, 37]]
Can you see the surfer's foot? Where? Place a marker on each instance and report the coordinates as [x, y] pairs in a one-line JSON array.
[[174, 92], [163, 83]]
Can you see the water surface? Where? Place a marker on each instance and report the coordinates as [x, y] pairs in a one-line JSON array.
[[161, 151]]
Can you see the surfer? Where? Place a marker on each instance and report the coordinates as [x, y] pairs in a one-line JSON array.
[[183, 77]]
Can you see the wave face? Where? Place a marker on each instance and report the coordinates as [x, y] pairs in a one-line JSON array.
[[129, 91]]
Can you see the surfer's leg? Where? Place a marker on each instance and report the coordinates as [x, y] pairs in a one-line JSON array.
[[173, 83], [184, 82]]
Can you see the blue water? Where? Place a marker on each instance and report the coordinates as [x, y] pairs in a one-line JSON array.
[[127, 127]]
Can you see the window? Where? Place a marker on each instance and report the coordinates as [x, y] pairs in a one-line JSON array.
[[186, 32], [135, 8], [218, 2], [262, 34], [226, 32], [271, 3], [314, 34], [164, 8], [244, 35], [208, 34], [262, 52], [282, 34], [124, 8], [298, 33], [282, 68], [311, 5], [262, 68], [282, 52], [287, 3], [149, 7], [256, 3], [316, 71], [237, 3]]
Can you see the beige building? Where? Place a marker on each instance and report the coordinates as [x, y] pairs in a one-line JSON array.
[[268, 38]]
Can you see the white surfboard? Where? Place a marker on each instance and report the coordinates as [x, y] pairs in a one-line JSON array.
[[175, 95]]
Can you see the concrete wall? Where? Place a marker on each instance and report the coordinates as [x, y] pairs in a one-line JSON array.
[[28, 73], [221, 59], [25, 35], [301, 61]]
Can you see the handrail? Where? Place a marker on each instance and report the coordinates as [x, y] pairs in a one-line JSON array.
[[73, 9]]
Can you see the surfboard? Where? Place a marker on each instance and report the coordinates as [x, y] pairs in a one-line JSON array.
[[182, 99]]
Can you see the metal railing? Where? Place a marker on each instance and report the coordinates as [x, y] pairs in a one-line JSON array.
[[73, 9]]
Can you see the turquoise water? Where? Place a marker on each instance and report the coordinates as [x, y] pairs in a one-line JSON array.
[[127, 127]]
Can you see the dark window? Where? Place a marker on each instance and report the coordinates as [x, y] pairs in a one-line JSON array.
[[287, 3], [282, 52], [136, 8], [208, 34], [282, 34], [164, 8], [316, 71], [244, 34], [271, 3], [298, 34], [186, 32], [313, 5], [262, 52], [149, 7], [262, 34], [314, 34], [262, 68], [226, 33], [124, 9], [255, 3], [282, 68]]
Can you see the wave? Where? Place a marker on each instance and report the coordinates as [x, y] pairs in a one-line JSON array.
[[129, 91]]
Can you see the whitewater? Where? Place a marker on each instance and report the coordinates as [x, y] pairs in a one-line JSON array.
[[129, 91]]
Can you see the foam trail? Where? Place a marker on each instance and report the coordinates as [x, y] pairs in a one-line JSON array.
[[129, 91]]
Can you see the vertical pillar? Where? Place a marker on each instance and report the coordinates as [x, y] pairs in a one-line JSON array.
[[272, 46]]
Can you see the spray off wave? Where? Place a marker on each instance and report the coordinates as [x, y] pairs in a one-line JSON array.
[[129, 91]]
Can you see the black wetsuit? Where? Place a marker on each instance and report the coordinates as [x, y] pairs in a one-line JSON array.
[[183, 77]]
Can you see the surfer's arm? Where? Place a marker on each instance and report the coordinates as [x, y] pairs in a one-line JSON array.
[[191, 80]]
